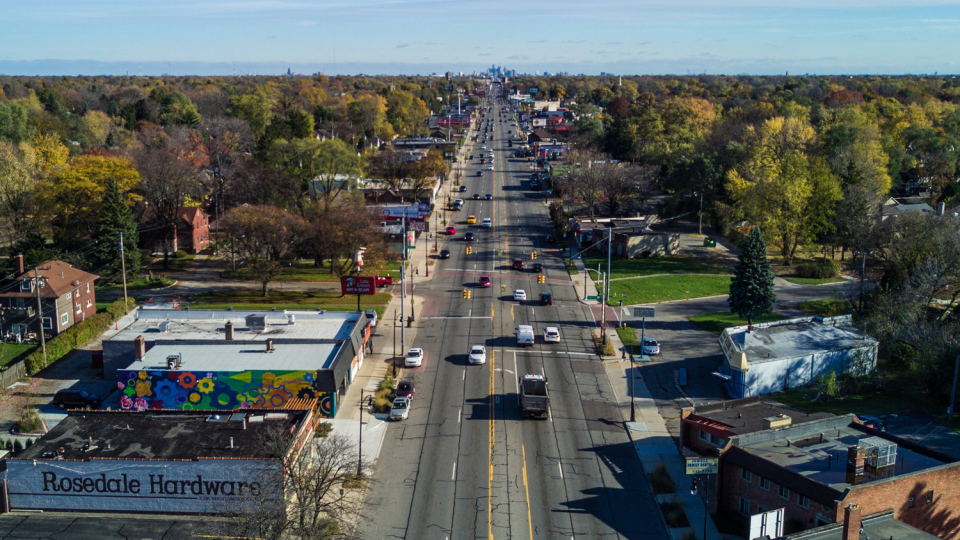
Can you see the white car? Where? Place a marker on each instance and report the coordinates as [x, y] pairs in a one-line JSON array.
[[520, 295], [650, 346], [478, 354], [487, 222], [490, 168], [483, 147], [400, 409], [414, 357], [551, 335]]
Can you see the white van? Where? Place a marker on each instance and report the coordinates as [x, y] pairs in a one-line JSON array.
[[525, 335]]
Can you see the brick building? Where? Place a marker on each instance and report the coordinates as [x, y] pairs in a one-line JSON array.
[[67, 296], [816, 465]]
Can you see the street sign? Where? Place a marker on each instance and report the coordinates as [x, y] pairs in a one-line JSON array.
[[644, 311], [702, 465], [358, 285], [597, 298]]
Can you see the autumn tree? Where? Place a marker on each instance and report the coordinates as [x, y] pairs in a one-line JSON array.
[[336, 233], [392, 168], [425, 171], [331, 165], [264, 236], [167, 183], [18, 184]]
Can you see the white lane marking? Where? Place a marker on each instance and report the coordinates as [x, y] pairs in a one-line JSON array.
[[459, 414], [454, 477], [454, 317], [464, 375], [561, 470]]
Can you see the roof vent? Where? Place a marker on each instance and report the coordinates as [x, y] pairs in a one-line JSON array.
[[291, 319], [257, 322], [165, 326], [778, 421]]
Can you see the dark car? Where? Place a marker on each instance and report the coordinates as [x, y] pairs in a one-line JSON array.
[[463, 188], [538, 267], [444, 253], [468, 237], [76, 399], [518, 264], [479, 173], [551, 239], [405, 389], [546, 299], [476, 196], [471, 156], [488, 196]]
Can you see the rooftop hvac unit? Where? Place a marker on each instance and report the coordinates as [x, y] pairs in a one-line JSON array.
[[879, 452], [256, 322]]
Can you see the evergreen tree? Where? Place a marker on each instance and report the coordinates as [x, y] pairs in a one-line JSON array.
[[116, 218], [751, 289]]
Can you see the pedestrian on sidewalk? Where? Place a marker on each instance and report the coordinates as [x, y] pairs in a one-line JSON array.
[[624, 355], [416, 271]]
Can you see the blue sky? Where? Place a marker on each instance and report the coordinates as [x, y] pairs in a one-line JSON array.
[[423, 36]]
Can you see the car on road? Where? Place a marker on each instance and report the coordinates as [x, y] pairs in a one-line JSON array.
[[478, 354], [487, 222], [488, 196], [444, 253], [463, 189], [483, 147], [471, 220], [451, 230], [400, 409], [551, 239], [520, 295], [490, 167], [518, 264], [484, 281], [414, 357], [546, 299], [468, 237], [551, 335], [479, 173], [650, 346], [76, 399], [471, 156], [405, 389], [382, 281], [537, 267]]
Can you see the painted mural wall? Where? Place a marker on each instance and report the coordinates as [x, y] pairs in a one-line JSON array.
[[161, 389]]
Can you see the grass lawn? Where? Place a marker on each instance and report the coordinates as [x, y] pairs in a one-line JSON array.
[[571, 267], [251, 299], [629, 339], [177, 264], [812, 281], [829, 307], [666, 288], [12, 352], [139, 284], [306, 271], [677, 264], [898, 396], [716, 322]]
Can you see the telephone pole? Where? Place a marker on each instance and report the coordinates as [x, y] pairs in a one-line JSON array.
[[123, 270], [43, 339]]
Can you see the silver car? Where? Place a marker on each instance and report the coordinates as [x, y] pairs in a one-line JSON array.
[[478, 354], [400, 409]]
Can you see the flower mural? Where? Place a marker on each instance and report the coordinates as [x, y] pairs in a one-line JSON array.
[[219, 390]]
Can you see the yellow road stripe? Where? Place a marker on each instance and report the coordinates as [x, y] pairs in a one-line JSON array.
[[526, 490], [511, 313]]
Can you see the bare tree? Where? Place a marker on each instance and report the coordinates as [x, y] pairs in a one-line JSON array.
[[264, 235], [338, 231], [392, 168], [166, 183], [225, 140]]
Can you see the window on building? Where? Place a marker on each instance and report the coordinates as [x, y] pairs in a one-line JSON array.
[[89, 302], [761, 509], [764, 483], [69, 295], [803, 501], [25, 285], [64, 318], [88, 287], [744, 506], [783, 492], [47, 323], [745, 475], [930, 496], [712, 439], [704, 436]]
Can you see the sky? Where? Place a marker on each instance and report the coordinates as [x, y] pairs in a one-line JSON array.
[[221, 37]]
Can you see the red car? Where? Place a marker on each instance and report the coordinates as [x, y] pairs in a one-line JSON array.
[[484, 281], [405, 389], [451, 230], [383, 281]]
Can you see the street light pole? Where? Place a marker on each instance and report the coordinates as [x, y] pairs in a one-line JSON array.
[[360, 444]]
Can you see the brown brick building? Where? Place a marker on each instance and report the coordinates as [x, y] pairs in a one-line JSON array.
[[67, 296], [814, 466]]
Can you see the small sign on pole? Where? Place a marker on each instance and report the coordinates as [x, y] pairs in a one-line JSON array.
[[644, 311], [702, 465]]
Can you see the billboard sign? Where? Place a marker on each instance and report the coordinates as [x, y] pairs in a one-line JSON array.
[[533, 91], [644, 311], [538, 122], [358, 285], [702, 465], [396, 212]]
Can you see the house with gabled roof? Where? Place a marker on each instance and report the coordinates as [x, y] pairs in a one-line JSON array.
[[67, 296]]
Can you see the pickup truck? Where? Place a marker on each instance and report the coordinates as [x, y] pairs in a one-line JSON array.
[[525, 335], [382, 281], [534, 400]]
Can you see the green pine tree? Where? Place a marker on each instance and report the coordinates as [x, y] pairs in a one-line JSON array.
[[116, 218], [751, 289]]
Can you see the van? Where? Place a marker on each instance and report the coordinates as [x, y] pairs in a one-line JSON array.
[[525, 335]]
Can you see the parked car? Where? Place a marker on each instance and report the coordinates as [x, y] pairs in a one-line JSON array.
[[546, 299], [468, 237], [444, 253], [76, 399], [551, 239], [518, 264], [383, 281], [520, 295], [464, 188], [478, 354], [400, 409], [451, 230], [484, 281], [371, 316], [551, 335], [414, 357], [490, 167], [405, 389], [650, 346]]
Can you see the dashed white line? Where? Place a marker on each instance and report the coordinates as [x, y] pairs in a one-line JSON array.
[[464, 375], [460, 412], [454, 477], [561, 470]]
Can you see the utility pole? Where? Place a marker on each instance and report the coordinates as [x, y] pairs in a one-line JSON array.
[[701, 212], [953, 393], [403, 284], [606, 282], [863, 271], [43, 339], [123, 270]]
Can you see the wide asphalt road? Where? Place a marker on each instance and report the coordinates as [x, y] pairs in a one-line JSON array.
[[465, 464]]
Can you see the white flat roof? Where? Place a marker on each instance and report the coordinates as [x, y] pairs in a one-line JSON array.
[[796, 337], [169, 324], [240, 356]]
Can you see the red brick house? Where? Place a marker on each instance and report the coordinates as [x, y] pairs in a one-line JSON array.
[[67, 296], [193, 231]]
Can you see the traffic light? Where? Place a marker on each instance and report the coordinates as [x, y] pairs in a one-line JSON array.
[[533, 255], [469, 250], [466, 294], [541, 279]]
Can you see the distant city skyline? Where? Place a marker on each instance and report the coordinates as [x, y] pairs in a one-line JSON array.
[[265, 37]]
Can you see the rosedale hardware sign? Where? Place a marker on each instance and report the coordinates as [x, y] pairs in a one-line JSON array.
[[201, 487]]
